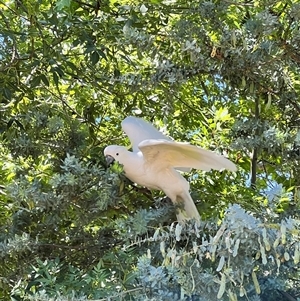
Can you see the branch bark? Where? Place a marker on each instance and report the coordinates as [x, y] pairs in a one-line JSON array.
[[255, 149]]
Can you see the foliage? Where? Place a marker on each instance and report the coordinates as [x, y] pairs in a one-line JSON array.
[[223, 75]]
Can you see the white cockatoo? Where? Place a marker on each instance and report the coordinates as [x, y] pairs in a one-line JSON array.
[[155, 159]]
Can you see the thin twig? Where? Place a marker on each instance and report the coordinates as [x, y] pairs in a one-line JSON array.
[[255, 149]]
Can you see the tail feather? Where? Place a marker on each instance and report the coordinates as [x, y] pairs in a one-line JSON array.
[[186, 208]]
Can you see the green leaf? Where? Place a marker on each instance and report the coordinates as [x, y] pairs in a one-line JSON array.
[[45, 80], [35, 81], [101, 53], [55, 77], [72, 65], [62, 4], [7, 93], [94, 57]]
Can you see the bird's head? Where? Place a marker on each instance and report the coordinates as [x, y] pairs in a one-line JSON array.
[[115, 153]]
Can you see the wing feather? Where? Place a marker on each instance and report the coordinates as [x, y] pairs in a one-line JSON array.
[[183, 155], [138, 130]]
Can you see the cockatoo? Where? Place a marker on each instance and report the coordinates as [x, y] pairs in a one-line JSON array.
[[155, 160]]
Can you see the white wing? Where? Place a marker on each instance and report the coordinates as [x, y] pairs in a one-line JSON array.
[[170, 153], [138, 130]]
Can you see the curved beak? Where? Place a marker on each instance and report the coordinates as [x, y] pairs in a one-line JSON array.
[[109, 160]]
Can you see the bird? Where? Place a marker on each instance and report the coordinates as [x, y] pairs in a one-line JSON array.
[[156, 162]]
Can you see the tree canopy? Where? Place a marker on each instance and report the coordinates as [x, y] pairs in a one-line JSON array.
[[220, 74]]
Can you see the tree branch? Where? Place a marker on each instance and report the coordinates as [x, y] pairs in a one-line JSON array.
[[255, 149]]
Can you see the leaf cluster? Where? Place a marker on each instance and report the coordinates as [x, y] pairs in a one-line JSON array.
[[223, 75]]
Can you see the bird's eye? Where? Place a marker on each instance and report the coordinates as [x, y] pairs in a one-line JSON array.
[[117, 154]]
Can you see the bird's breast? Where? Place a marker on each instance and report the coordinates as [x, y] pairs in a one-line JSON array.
[[143, 174]]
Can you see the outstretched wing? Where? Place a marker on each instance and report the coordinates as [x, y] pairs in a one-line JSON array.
[[170, 153], [138, 130]]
